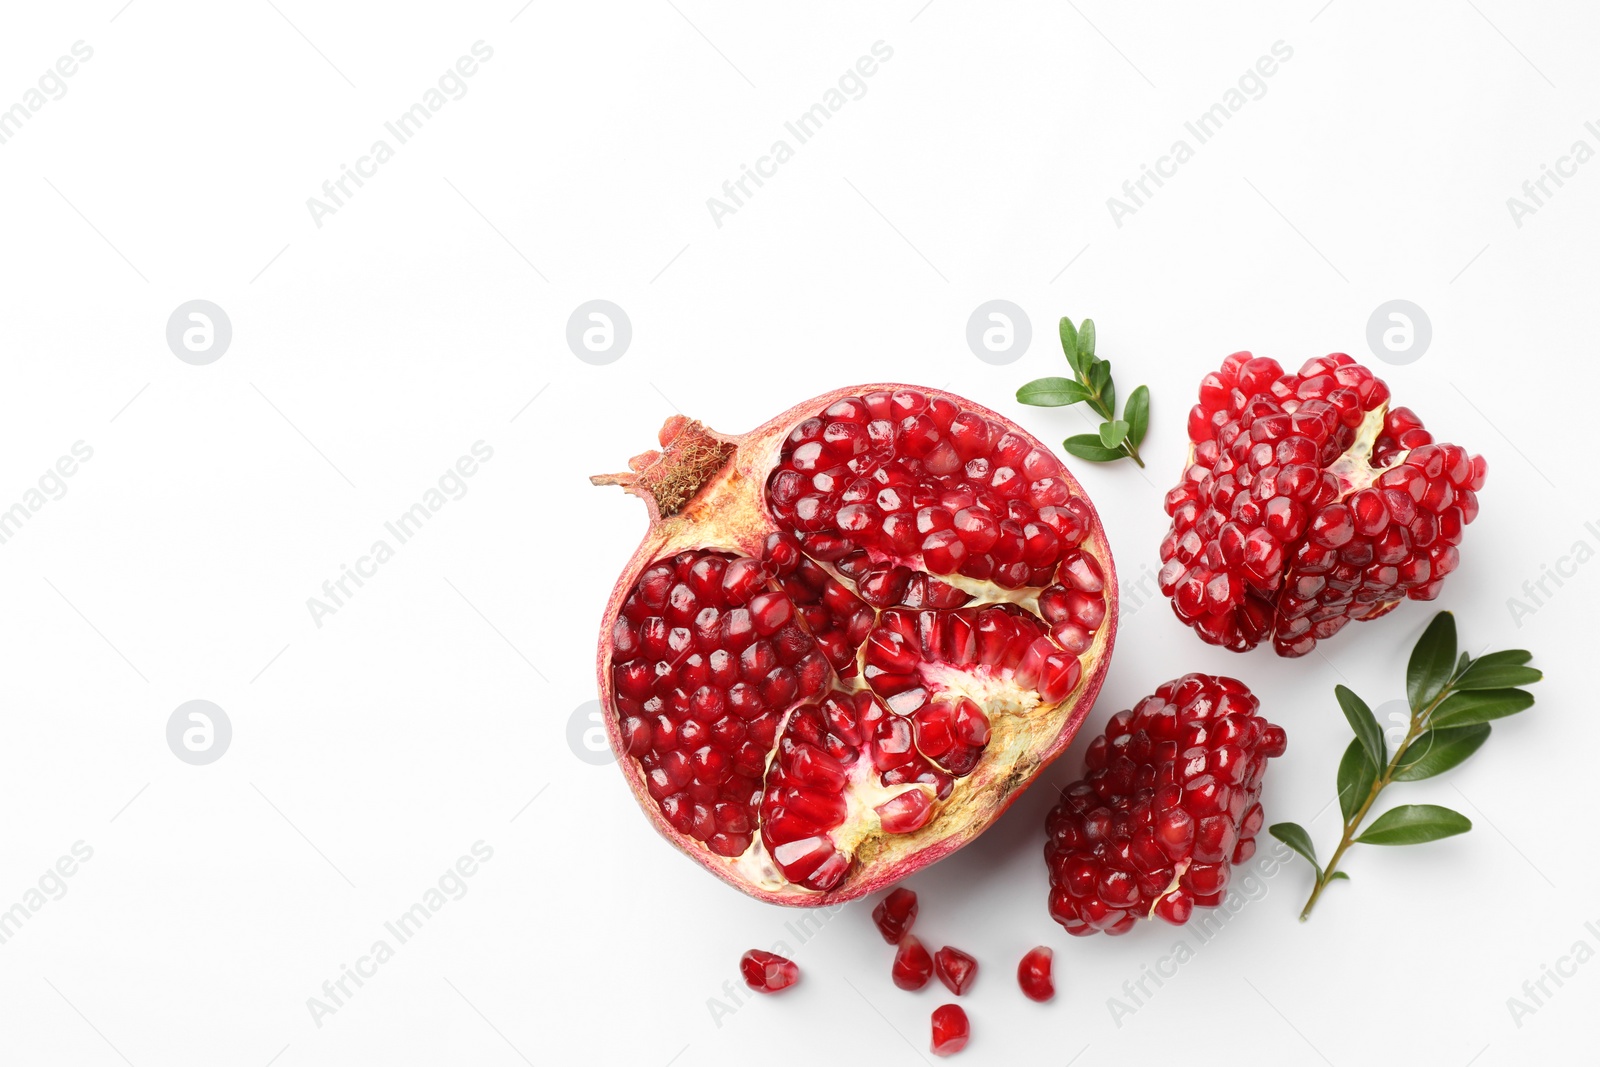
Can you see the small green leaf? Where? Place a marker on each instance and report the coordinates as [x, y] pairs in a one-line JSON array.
[[1490, 674], [1431, 661], [1137, 413], [1086, 341], [1052, 392], [1467, 709], [1295, 836], [1462, 664], [1439, 750], [1087, 446], [1112, 434], [1069, 345], [1336, 875], [1361, 720], [1514, 656], [1413, 824], [1357, 773]]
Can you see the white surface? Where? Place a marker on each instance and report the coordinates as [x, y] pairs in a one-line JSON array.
[[372, 752]]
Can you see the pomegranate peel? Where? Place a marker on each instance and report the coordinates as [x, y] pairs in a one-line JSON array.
[[850, 637]]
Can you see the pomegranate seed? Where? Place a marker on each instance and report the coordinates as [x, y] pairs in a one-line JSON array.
[[1033, 974], [1307, 475], [955, 968], [766, 972], [895, 914], [912, 964], [1169, 801], [951, 1030]]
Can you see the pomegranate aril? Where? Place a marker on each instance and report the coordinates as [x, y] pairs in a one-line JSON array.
[[895, 914], [912, 964], [1033, 974], [956, 969], [951, 1030], [767, 972]]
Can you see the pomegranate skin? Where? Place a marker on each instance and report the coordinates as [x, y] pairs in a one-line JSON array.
[[721, 505]]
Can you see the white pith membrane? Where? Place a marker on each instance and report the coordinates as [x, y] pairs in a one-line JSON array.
[[1022, 727]]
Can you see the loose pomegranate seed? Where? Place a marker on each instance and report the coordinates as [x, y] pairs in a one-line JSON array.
[[951, 1030], [895, 914], [912, 964], [1170, 799], [766, 972], [955, 969], [1033, 974], [830, 624], [1308, 503]]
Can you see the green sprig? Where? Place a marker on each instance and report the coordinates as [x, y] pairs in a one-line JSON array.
[[1091, 384], [1452, 702]]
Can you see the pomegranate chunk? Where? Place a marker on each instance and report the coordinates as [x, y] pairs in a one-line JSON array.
[[951, 1030], [912, 964], [895, 913], [1033, 974], [850, 637], [955, 968], [767, 972], [1169, 801], [1307, 503]]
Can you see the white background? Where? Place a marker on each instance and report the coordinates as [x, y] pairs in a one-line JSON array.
[[429, 313]]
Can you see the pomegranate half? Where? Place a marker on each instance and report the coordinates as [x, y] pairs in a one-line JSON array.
[[850, 637]]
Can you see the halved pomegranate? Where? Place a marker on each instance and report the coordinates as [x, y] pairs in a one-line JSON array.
[[850, 637]]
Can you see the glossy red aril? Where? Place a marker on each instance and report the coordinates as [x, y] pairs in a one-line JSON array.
[[767, 972], [1033, 974], [1308, 502], [912, 964], [850, 637], [955, 969], [1169, 801], [951, 1030], [895, 913]]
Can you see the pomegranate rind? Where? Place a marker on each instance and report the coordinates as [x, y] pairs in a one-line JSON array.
[[732, 502]]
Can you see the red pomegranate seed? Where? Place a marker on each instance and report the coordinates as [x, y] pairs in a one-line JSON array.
[[912, 964], [1297, 483], [1033, 974], [951, 1030], [766, 972], [1170, 799], [895, 914], [955, 968]]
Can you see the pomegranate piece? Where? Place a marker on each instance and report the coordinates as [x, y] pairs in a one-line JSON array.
[[955, 969], [895, 913], [767, 972], [1308, 502], [1033, 974], [912, 964], [951, 1030], [850, 637], [1169, 801]]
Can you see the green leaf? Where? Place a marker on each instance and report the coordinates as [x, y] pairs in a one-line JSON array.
[[1336, 875], [1362, 721], [1357, 772], [1087, 446], [1136, 411], [1431, 661], [1086, 341], [1413, 824], [1112, 434], [1489, 673], [1515, 656], [1069, 345], [1052, 392], [1462, 664], [1295, 836], [1439, 750], [1466, 709]]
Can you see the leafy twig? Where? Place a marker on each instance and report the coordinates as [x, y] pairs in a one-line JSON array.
[[1452, 702], [1092, 385]]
